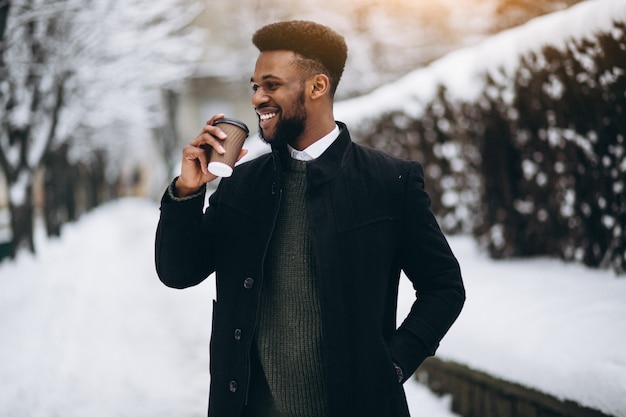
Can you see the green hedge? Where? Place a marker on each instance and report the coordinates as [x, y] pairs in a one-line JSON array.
[[537, 164]]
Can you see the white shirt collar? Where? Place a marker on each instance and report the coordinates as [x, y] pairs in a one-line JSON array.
[[316, 149]]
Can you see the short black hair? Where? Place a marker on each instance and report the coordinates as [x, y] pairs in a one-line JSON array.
[[308, 39]]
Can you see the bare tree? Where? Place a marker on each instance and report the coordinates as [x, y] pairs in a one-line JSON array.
[[87, 74], [32, 93]]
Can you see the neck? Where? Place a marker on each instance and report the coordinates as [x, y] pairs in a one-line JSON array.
[[314, 131]]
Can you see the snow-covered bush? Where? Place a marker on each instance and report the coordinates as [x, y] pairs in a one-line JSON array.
[[556, 181], [534, 161]]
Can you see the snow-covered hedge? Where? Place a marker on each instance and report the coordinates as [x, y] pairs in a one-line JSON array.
[[533, 162]]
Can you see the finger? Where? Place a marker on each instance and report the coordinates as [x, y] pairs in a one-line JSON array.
[[206, 141], [190, 152], [213, 142], [214, 118], [210, 140], [214, 131], [194, 155], [210, 131], [203, 160], [210, 127]]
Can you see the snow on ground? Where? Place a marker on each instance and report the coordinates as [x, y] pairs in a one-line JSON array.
[[553, 326], [87, 329]]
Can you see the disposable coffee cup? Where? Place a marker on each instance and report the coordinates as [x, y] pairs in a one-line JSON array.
[[222, 164]]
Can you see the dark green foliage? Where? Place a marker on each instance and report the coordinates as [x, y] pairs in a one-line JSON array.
[[537, 164]]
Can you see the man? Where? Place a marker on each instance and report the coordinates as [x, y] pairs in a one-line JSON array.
[[307, 243]]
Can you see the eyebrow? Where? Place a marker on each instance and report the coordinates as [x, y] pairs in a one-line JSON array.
[[265, 77]]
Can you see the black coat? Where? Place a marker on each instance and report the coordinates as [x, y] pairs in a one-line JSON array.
[[369, 219]]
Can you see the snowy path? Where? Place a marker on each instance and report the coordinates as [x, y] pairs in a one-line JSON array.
[[87, 329]]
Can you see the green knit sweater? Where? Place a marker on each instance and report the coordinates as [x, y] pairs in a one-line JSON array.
[[290, 379]]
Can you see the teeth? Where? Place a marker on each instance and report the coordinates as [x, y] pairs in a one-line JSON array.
[[267, 116]]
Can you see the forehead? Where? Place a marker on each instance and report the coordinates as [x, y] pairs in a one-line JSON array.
[[279, 64]]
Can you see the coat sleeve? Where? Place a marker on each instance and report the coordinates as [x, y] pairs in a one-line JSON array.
[[183, 248], [428, 261]]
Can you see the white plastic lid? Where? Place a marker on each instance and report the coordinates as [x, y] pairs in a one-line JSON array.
[[220, 169]]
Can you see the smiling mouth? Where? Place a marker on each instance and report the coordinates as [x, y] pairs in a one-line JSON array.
[[267, 116]]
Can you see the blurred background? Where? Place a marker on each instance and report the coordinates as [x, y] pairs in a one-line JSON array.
[[98, 96], [515, 108]]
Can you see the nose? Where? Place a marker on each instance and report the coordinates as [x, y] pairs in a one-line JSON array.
[[259, 98]]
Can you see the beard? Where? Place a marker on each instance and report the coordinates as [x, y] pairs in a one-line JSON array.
[[288, 128]]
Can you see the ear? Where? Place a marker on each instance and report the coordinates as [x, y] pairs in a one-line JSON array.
[[319, 86]]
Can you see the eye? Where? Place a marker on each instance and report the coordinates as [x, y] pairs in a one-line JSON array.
[[266, 85]]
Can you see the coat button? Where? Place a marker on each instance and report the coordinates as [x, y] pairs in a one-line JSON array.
[[232, 386], [248, 283], [237, 334]]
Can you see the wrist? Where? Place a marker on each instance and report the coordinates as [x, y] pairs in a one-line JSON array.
[[175, 194], [180, 190]]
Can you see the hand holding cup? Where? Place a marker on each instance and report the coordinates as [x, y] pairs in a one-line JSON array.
[[211, 146], [222, 164]]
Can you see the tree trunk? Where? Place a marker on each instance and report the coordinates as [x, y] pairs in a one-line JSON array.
[[56, 191], [22, 223], [4, 14]]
